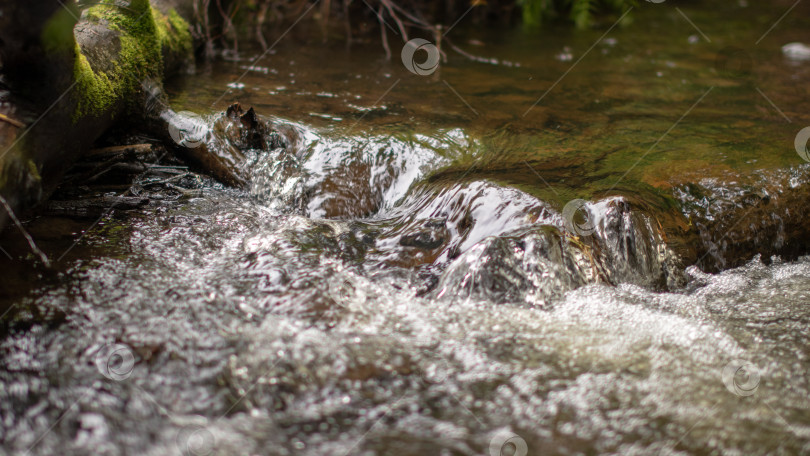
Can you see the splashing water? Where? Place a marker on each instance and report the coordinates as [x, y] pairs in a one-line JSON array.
[[388, 289]]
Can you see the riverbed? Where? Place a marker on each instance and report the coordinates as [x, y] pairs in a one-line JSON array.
[[403, 278]]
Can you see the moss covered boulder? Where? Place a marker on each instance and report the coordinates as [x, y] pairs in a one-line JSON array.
[[69, 74]]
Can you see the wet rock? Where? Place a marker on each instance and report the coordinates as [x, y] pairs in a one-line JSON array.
[[502, 245], [630, 246], [52, 50], [534, 267], [246, 130], [734, 220], [432, 235], [345, 192], [438, 222]]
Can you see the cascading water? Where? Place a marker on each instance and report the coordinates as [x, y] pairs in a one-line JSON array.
[[404, 277]]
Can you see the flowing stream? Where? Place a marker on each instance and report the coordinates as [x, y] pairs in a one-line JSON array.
[[403, 278]]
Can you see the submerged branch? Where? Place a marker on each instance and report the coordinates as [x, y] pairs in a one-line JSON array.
[[39, 253]]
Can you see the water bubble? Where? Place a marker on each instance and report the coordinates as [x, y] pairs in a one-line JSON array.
[[429, 66], [115, 361], [741, 377]]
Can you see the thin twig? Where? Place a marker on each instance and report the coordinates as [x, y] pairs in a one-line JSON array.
[[168, 180], [25, 234], [119, 150], [8, 119], [410, 16], [396, 18], [167, 167], [261, 17], [473, 57], [229, 27], [384, 35], [347, 21], [185, 193]]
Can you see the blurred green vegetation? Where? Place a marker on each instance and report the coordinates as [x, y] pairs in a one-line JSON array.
[[579, 12]]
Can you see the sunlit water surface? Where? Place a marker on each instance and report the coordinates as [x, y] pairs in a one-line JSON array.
[[399, 281]]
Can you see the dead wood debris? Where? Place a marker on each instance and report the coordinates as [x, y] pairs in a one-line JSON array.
[[122, 178]]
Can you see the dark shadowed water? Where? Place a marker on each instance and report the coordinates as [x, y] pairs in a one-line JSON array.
[[404, 279]]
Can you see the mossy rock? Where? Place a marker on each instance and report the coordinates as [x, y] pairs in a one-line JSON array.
[[70, 81], [141, 38]]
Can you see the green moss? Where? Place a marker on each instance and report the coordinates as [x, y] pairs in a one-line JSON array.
[[144, 33], [96, 92], [580, 12], [173, 33], [58, 30], [33, 171]]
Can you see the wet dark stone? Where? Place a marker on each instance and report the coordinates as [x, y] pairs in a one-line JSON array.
[[432, 236], [427, 282], [246, 130]]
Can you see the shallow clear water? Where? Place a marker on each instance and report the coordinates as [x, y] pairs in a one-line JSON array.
[[401, 280]]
